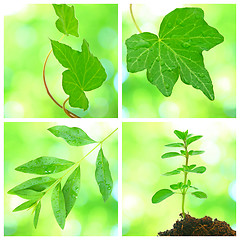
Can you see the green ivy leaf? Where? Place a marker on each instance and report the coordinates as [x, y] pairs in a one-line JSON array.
[[191, 152], [161, 195], [193, 139], [36, 215], [201, 169], [199, 194], [45, 165], [85, 72], [73, 136], [71, 190], [37, 184], [103, 176], [174, 172], [67, 23], [24, 205], [29, 194], [58, 205], [177, 50], [175, 145], [170, 154]]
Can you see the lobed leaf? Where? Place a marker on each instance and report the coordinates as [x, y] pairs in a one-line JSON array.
[[176, 51], [36, 215], [74, 136], [71, 190], [37, 184], [85, 72], [175, 145], [58, 205], [67, 23], [103, 176], [199, 194], [45, 165], [24, 205], [193, 139], [170, 154], [161, 195], [191, 152]]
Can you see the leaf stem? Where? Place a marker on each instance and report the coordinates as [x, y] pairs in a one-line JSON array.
[[185, 180], [47, 89], [70, 114], [134, 21], [76, 164]]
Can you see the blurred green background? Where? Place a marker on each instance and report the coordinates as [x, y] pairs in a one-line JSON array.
[[143, 145], [27, 30], [142, 99], [90, 216]]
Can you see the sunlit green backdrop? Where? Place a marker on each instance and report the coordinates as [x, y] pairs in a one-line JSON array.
[[90, 216], [143, 145], [26, 45], [142, 99]]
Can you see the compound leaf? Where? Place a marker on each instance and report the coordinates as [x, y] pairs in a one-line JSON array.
[[73, 136], [36, 215], [67, 23], [161, 195], [45, 165], [177, 50], [36, 184], [24, 205], [170, 154], [103, 176], [58, 205], [199, 194], [85, 72], [71, 190]]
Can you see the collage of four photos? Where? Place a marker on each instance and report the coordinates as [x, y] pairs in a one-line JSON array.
[[153, 151]]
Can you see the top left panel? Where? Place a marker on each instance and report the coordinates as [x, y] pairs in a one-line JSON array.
[[61, 61]]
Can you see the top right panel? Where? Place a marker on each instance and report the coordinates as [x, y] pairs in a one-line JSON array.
[[179, 61]]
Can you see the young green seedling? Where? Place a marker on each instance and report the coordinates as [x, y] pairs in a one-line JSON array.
[[186, 185], [63, 198]]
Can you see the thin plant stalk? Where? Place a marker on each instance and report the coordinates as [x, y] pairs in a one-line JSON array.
[[134, 21]]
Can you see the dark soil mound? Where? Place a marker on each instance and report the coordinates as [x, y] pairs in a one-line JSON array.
[[190, 226]]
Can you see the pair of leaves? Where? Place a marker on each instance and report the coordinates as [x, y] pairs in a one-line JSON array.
[[183, 153], [177, 50], [190, 168], [162, 194], [64, 199], [84, 71]]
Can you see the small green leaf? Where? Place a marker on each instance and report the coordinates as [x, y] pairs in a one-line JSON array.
[[176, 186], [45, 165], [36, 215], [25, 205], [67, 23], [180, 135], [191, 152], [201, 169], [194, 187], [161, 195], [175, 145], [189, 183], [199, 194], [193, 139], [189, 135], [192, 166], [170, 154], [37, 184], [103, 176], [29, 194], [174, 172], [183, 152], [85, 72], [58, 205], [73, 136], [71, 190]]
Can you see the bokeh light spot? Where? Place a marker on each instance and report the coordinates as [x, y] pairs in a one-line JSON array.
[[108, 38], [168, 110]]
